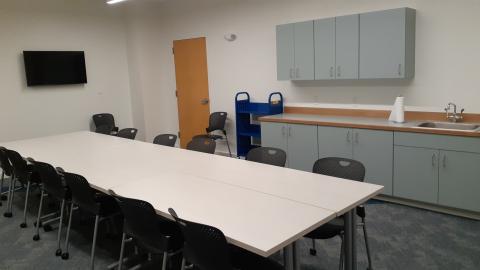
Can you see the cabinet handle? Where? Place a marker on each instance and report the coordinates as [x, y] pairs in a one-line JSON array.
[[434, 160], [283, 131], [348, 136], [289, 131], [291, 73], [399, 69], [331, 72], [444, 161], [339, 71], [356, 137], [297, 73]]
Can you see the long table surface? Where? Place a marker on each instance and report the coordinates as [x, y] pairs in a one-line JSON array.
[[259, 207]]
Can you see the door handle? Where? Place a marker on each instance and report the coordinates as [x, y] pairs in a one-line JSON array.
[[434, 160], [348, 136], [297, 73], [356, 137], [399, 69], [444, 161], [292, 75], [283, 131], [331, 72], [204, 101], [339, 71], [289, 131]]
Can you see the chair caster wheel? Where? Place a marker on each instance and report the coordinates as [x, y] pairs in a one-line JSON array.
[[65, 256], [313, 252], [23, 225], [36, 237], [8, 215], [58, 252], [35, 224], [47, 228]]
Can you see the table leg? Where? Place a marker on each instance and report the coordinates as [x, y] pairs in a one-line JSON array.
[[290, 257], [350, 240]]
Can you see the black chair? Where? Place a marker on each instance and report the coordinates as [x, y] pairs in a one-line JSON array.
[[104, 122], [347, 169], [103, 206], [151, 232], [54, 186], [23, 173], [216, 123], [7, 170], [165, 139], [128, 133], [207, 249], [268, 155], [204, 145]]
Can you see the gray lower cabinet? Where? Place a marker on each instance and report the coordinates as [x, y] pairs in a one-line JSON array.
[[374, 149], [416, 173], [459, 180], [298, 141]]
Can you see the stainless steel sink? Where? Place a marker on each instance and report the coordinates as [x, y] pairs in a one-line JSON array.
[[446, 125]]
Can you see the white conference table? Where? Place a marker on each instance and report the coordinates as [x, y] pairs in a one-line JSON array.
[[259, 207]]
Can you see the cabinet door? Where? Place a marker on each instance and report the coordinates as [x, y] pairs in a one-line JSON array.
[[304, 51], [302, 147], [334, 142], [347, 42], [374, 149], [459, 184], [382, 44], [274, 135], [285, 52], [324, 49], [416, 173]]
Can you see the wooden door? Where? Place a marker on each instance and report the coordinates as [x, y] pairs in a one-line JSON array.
[[191, 74]]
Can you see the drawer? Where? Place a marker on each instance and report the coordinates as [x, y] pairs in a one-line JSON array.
[[442, 142]]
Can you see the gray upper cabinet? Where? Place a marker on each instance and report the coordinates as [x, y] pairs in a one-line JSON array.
[[325, 49], [285, 51], [304, 51], [374, 149], [459, 182], [295, 51], [387, 44], [346, 46], [416, 173]]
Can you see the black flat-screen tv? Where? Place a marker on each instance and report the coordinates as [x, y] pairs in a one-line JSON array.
[[55, 67]]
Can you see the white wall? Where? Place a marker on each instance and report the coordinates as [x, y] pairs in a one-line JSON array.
[[31, 112], [447, 61]]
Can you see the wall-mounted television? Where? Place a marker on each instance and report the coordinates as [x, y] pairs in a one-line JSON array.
[[55, 67]]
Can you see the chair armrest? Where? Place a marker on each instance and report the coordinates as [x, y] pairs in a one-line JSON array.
[[60, 171], [29, 160]]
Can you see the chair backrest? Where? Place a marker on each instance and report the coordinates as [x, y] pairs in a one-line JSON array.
[[128, 133], [141, 222], [217, 121], [19, 165], [5, 162], [104, 129], [204, 145], [205, 246], [165, 139], [103, 119], [268, 155], [52, 181], [82, 194], [340, 167]]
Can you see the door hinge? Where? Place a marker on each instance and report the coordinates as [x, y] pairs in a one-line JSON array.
[[176, 93], [173, 50]]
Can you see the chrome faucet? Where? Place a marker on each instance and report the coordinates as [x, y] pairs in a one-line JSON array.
[[454, 117]]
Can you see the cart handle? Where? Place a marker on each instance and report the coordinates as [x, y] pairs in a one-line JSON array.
[[275, 93], [242, 93]]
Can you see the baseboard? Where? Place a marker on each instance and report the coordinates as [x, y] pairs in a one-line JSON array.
[[431, 207]]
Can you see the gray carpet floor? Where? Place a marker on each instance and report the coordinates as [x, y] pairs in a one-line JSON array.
[[401, 238]]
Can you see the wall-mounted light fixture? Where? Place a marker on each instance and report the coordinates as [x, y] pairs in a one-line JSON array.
[[111, 2]]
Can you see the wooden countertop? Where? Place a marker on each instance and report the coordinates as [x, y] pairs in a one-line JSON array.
[[363, 122]]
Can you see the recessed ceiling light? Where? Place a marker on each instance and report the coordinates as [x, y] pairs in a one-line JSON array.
[[111, 2]]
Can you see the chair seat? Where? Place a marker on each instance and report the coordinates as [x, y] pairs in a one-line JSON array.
[[209, 136], [245, 260], [327, 231]]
